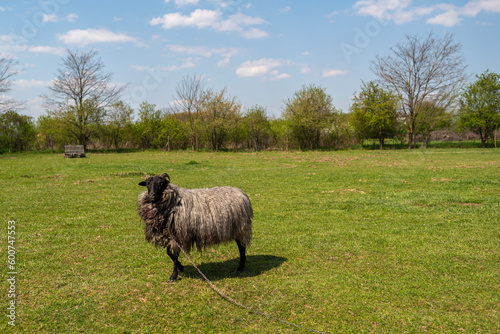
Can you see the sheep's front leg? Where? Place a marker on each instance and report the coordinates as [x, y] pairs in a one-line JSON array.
[[177, 265], [243, 257]]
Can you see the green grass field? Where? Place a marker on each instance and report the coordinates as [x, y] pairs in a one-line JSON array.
[[344, 242]]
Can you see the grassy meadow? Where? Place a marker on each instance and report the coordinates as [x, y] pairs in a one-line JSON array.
[[344, 242]]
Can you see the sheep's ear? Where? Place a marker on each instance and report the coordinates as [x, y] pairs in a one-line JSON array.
[[143, 183]]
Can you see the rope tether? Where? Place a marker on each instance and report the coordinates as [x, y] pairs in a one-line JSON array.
[[239, 304]]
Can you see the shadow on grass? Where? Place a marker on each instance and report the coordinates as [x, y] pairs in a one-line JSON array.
[[255, 266]]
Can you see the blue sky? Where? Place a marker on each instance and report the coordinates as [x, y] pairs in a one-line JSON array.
[[261, 51]]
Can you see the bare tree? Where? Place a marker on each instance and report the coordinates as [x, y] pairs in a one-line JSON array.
[[189, 100], [7, 71], [81, 92], [81, 77], [429, 69]]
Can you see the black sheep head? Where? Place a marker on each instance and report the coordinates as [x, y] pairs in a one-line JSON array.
[[156, 185]]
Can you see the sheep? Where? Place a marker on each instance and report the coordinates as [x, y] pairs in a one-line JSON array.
[[176, 216]]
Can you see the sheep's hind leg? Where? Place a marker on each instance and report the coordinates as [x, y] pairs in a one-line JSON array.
[[177, 265], [243, 257]]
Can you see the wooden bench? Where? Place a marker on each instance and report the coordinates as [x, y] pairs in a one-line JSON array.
[[73, 151]]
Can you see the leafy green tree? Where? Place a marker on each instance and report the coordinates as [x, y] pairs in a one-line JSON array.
[[221, 115], [17, 132], [118, 118], [82, 122], [431, 117], [257, 127], [341, 134], [281, 133], [480, 106], [309, 112], [52, 132], [174, 132], [374, 113], [149, 126]]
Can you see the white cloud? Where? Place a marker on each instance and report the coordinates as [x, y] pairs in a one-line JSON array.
[[223, 62], [204, 51], [328, 72], [484, 23], [285, 9], [331, 15], [184, 3], [254, 33], [452, 15], [474, 7], [35, 106], [237, 22], [187, 63], [265, 67], [58, 51], [88, 36], [139, 68], [52, 18], [278, 76], [447, 19], [305, 69], [4, 97], [380, 9], [200, 18], [401, 11], [2, 9], [71, 17], [12, 44], [205, 18], [31, 83]]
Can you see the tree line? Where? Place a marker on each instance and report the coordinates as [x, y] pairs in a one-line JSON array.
[[420, 88]]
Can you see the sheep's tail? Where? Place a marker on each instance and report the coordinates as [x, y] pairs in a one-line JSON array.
[[245, 237]]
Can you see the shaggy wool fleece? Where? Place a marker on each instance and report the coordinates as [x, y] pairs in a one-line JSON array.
[[200, 217]]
